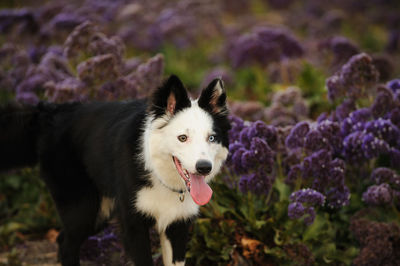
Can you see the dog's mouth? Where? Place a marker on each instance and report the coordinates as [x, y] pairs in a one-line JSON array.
[[199, 190]]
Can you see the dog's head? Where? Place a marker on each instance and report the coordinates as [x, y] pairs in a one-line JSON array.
[[186, 141]]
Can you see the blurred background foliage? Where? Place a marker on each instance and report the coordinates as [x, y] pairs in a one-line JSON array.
[[301, 69]]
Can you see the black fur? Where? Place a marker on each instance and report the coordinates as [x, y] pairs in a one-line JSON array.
[[177, 233], [19, 130], [87, 152], [217, 109], [159, 99]]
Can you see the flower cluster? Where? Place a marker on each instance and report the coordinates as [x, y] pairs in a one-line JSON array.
[[380, 242], [263, 45], [303, 203], [316, 147], [102, 247], [372, 131], [386, 188], [287, 108], [378, 194], [101, 71], [354, 79], [341, 48], [252, 155]]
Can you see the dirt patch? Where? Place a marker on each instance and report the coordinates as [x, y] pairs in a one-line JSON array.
[[34, 253]]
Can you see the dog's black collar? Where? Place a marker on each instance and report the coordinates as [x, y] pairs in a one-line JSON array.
[[179, 191]]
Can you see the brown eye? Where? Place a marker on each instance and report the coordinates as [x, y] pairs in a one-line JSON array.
[[182, 138]]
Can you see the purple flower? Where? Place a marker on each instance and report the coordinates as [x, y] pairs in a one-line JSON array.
[[330, 132], [259, 154], [261, 130], [98, 69], [237, 125], [373, 146], [257, 182], [70, 89], [358, 73], [383, 129], [263, 46], [394, 116], [24, 18], [395, 158], [101, 247], [394, 85], [308, 196], [316, 164], [337, 171], [287, 43], [384, 175], [378, 195], [341, 47], [344, 109], [352, 147], [64, 22], [383, 103], [314, 141], [384, 66], [236, 158], [294, 173], [148, 75], [27, 98], [355, 121], [338, 196], [354, 79], [335, 87], [303, 203], [32, 83], [296, 137], [244, 136], [248, 49], [296, 210]]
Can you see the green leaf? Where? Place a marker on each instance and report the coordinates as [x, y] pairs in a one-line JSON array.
[[13, 181], [318, 227]]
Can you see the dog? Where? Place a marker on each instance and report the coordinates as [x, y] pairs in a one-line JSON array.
[[146, 162]]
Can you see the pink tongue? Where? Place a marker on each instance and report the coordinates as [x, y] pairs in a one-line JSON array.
[[199, 190]]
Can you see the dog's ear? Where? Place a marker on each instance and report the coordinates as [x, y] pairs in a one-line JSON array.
[[213, 98], [170, 98]]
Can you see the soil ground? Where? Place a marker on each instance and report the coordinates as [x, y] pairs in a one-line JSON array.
[[34, 253]]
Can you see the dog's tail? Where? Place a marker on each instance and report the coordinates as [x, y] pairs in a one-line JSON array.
[[19, 130]]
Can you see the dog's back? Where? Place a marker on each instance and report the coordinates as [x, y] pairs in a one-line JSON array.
[[18, 134], [28, 131]]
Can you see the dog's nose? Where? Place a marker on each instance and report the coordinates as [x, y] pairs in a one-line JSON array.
[[203, 167]]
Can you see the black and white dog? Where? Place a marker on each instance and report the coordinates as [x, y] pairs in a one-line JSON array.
[[146, 162]]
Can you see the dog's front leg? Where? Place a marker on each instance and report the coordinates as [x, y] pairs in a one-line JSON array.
[[136, 239], [173, 243]]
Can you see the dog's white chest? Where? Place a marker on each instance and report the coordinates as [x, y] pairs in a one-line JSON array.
[[165, 206]]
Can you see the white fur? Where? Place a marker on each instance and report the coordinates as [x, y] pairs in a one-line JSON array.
[[164, 205], [160, 143], [219, 88]]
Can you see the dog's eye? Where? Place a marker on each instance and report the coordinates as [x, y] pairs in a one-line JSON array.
[[182, 138], [212, 138]]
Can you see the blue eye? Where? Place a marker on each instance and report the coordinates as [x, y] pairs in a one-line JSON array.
[[212, 138]]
